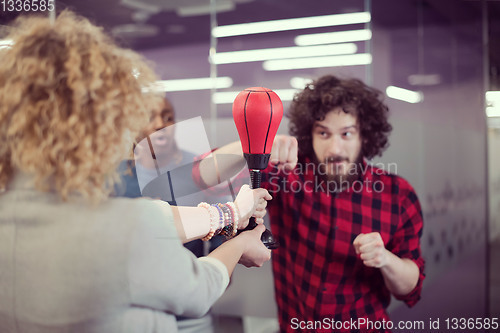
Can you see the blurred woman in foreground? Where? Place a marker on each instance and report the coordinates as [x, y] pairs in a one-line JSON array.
[[71, 258]]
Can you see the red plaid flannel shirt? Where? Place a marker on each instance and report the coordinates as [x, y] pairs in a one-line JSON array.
[[317, 273]]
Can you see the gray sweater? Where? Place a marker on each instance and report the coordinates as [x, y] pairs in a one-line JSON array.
[[115, 267]]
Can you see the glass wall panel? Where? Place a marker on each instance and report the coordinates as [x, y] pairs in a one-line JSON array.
[[435, 48], [432, 48]]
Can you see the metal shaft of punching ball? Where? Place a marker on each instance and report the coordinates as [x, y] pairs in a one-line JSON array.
[[255, 179]]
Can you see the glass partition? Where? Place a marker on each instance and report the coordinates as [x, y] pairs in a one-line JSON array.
[[428, 57]]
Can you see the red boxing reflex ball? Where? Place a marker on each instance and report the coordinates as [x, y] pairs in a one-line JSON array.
[[257, 113]]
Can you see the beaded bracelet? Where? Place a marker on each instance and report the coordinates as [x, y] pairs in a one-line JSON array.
[[228, 226], [213, 220], [222, 218], [225, 215], [236, 216]]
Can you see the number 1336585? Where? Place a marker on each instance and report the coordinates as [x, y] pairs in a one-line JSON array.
[[472, 323], [27, 5]]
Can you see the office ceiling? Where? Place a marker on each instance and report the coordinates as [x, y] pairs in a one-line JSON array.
[[147, 24]]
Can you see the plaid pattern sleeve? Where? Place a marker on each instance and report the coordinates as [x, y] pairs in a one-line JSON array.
[[226, 187], [406, 241], [196, 173], [270, 178]]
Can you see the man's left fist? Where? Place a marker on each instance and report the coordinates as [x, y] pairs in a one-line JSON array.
[[370, 248]]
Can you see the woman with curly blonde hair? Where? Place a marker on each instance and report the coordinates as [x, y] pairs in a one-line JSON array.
[[71, 258]]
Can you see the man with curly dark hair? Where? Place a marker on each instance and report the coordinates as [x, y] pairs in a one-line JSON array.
[[349, 232], [353, 97]]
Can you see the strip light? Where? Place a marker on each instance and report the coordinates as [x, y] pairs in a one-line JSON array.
[[282, 53], [317, 62], [299, 82], [227, 97], [404, 94], [193, 84], [290, 24], [493, 104], [334, 37]]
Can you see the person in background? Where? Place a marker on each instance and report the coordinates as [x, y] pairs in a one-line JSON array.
[[72, 258], [166, 156], [349, 232]]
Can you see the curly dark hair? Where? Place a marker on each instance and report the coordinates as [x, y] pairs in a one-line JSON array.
[[354, 97]]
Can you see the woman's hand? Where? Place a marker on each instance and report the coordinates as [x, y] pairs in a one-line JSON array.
[[246, 249], [255, 253], [251, 203]]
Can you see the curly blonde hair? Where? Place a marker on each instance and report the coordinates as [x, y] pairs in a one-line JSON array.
[[70, 102]]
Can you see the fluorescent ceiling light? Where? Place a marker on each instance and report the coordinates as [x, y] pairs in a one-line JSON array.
[[316, 62], [194, 84], [299, 82], [290, 24], [227, 97], [334, 37], [282, 53], [205, 9], [493, 103], [404, 94]]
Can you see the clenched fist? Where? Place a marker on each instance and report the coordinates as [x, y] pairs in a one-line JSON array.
[[284, 152], [370, 248]]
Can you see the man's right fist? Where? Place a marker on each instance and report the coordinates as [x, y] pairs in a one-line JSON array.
[[284, 153]]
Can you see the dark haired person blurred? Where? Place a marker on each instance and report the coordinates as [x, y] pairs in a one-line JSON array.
[[150, 165], [349, 232]]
